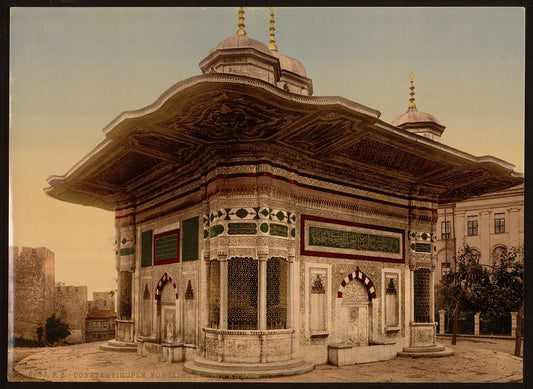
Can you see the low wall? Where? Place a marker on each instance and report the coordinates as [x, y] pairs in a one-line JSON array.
[[248, 346], [342, 354]]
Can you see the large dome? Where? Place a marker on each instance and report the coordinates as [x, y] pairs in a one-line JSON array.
[[242, 42], [290, 64], [414, 116]]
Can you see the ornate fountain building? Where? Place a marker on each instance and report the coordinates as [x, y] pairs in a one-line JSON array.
[[261, 230]]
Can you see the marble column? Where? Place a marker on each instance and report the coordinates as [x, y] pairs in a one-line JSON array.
[[262, 291], [125, 264], [223, 321], [290, 290]]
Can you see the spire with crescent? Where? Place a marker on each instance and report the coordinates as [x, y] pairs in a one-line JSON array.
[[412, 88], [241, 31], [272, 41]]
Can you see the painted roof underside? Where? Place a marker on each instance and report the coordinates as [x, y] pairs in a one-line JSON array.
[[220, 118]]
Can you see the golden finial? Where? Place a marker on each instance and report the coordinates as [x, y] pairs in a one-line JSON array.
[[241, 31], [412, 93], [272, 41]]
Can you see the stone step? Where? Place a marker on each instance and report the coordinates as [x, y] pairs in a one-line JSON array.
[[437, 347], [427, 354], [114, 345], [210, 364], [237, 372], [121, 343]]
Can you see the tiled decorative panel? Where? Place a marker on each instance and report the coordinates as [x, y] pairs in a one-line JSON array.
[[249, 221], [422, 242]]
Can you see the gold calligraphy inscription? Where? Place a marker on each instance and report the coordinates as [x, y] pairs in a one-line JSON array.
[[326, 237]]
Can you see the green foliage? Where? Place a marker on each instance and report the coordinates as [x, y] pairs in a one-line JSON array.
[[492, 293], [20, 342], [507, 283], [56, 330], [40, 334]]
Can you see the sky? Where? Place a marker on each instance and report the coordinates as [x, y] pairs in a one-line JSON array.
[[73, 70]]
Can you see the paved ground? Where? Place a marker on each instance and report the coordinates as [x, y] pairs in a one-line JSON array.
[[474, 360]]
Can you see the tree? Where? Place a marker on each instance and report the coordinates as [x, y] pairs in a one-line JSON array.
[[508, 280], [471, 287], [56, 330], [465, 287]]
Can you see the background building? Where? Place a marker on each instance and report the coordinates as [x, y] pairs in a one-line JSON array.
[[489, 223], [102, 301], [101, 315]]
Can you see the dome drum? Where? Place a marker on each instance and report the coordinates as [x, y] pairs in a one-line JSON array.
[[243, 56]]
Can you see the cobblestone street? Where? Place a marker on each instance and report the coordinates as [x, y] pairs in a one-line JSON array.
[[474, 360]]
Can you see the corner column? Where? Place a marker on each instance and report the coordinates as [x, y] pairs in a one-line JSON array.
[[223, 321], [125, 225], [290, 289], [262, 290]]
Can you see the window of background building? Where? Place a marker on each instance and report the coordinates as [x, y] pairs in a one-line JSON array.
[[445, 230], [497, 254], [499, 223], [472, 225], [445, 268]]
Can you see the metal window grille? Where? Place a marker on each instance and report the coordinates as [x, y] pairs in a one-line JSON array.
[[242, 294], [276, 293], [421, 292]]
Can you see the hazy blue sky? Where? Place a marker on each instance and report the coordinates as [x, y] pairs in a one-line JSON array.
[[73, 70]]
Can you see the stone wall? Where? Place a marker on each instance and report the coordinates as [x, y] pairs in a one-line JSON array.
[[71, 308], [102, 301], [32, 290]]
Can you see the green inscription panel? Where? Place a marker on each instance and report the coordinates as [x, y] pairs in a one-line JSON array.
[[325, 237], [189, 249], [422, 247], [166, 247], [279, 230], [146, 249], [242, 228], [126, 251]]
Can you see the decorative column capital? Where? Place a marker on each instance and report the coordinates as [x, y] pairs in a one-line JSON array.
[[262, 254], [222, 256]]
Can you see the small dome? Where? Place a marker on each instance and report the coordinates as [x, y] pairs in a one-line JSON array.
[[414, 116], [242, 42], [290, 64]]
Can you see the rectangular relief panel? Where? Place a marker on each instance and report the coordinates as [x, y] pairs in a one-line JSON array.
[[349, 240]]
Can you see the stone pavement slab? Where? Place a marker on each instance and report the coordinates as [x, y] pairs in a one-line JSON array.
[[473, 361]]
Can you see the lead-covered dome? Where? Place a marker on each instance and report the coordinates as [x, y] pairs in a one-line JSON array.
[[290, 64], [417, 122], [241, 42], [414, 116]]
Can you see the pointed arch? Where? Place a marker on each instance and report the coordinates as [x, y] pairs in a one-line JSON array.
[[166, 278], [361, 277]]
